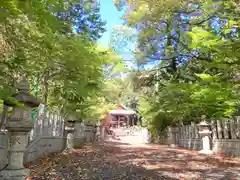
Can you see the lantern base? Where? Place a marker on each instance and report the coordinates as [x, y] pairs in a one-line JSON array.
[[173, 146], [206, 152], [14, 174]]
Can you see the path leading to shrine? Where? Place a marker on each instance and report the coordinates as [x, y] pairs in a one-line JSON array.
[[125, 161]]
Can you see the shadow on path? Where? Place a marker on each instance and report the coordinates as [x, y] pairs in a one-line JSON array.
[[115, 160]]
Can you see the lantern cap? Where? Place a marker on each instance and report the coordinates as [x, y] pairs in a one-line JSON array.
[[23, 95]]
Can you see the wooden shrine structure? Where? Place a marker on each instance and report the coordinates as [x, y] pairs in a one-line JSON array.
[[121, 117]]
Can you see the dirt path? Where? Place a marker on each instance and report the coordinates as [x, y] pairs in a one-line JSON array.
[[122, 161]]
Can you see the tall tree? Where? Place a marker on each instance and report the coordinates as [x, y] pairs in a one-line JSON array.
[[84, 17], [34, 45], [187, 40]]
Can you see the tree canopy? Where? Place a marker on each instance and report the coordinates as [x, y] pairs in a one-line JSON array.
[[49, 43], [192, 48]]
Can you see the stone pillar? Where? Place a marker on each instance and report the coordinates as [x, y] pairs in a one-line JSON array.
[[56, 125], [180, 131], [40, 119], [102, 132], [97, 137], [62, 127], [233, 129], [214, 129], [79, 134], [196, 131], [183, 132], [54, 133], [18, 127], [193, 130], [225, 129], [46, 124], [89, 132], [205, 134], [172, 139], [189, 132], [69, 130], [238, 127], [94, 132], [51, 124], [83, 133], [219, 129], [186, 131]]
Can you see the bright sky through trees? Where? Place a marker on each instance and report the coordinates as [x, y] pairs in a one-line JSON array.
[[112, 17]]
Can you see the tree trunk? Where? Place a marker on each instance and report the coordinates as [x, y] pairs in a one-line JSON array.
[[45, 88]]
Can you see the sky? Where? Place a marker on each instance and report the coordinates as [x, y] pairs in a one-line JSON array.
[[112, 16]]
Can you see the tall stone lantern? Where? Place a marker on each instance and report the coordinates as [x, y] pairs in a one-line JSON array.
[[69, 129], [89, 131], [172, 137], [18, 127], [205, 133]]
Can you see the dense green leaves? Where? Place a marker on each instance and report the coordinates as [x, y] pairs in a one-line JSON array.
[[198, 63], [67, 67]]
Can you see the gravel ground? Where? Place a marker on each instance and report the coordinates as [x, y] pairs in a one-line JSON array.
[[124, 161]]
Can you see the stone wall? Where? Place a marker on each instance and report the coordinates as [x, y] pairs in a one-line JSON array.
[[224, 136], [229, 147], [48, 136], [43, 146], [24, 138], [195, 144], [40, 147]]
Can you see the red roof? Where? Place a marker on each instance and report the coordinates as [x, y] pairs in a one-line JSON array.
[[121, 107]]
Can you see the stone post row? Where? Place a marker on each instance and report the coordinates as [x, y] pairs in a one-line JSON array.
[[204, 132]]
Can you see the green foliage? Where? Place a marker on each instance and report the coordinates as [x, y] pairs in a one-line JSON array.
[[207, 84], [34, 43]]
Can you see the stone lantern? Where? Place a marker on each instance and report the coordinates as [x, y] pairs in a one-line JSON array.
[[205, 134], [172, 137], [69, 129], [18, 127], [97, 135], [89, 131]]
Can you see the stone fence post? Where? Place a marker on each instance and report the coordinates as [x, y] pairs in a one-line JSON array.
[[98, 132], [18, 126], [172, 136], [214, 129], [102, 132], [89, 130], [205, 134]]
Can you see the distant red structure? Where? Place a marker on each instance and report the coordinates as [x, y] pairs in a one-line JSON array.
[[119, 117], [120, 107]]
